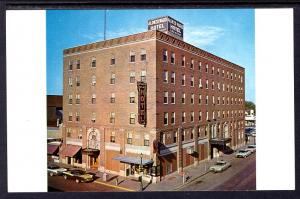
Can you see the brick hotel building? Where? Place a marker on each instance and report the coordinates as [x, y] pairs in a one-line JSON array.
[[194, 108]]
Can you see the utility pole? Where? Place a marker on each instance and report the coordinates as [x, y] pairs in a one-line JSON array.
[[104, 29]]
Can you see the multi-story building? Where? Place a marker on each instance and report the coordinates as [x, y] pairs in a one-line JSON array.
[[149, 96]]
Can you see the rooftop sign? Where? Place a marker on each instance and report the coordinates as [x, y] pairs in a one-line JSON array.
[[167, 25]]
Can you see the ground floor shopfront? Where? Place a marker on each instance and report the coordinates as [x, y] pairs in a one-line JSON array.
[[132, 153]]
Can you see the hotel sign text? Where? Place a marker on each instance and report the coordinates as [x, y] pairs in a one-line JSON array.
[[142, 102]]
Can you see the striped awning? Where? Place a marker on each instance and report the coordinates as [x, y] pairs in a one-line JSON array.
[[70, 150]]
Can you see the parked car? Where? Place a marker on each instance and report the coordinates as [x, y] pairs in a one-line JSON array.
[[55, 170], [220, 166], [251, 147], [78, 175], [242, 153]]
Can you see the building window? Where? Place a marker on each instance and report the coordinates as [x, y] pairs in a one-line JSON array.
[[132, 77], [213, 85], [206, 100], [77, 99], [70, 65], [94, 62], [218, 102], [213, 117], [200, 116], [218, 71], [183, 98], [165, 56], [70, 99], [227, 75], [183, 117], [172, 78], [77, 81], [131, 97], [93, 119], [192, 98], [113, 78], [192, 134], [206, 84], [68, 132], [223, 100], [143, 55], [70, 117], [173, 118], [206, 68], [70, 81], [183, 80], [78, 64], [113, 137], [129, 138], [172, 58], [143, 75], [112, 61], [183, 135], [77, 117], [146, 140], [132, 118], [192, 81], [131, 57], [112, 117], [192, 116], [199, 66], [212, 70], [227, 88], [223, 73], [200, 83], [206, 115], [165, 118], [213, 100], [165, 76], [227, 100], [183, 60], [231, 76], [113, 98], [173, 98], [165, 97], [192, 63], [223, 85], [93, 80], [175, 135], [219, 86], [94, 99], [200, 99]]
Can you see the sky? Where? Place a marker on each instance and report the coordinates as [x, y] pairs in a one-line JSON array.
[[228, 33]]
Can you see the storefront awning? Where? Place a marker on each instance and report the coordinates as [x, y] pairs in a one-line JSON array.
[[219, 141], [133, 160], [70, 150], [52, 149], [90, 151]]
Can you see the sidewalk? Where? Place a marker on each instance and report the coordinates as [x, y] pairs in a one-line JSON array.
[[172, 182]]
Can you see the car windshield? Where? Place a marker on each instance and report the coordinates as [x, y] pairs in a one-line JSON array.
[[242, 151], [251, 147], [77, 172], [220, 163], [53, 167]]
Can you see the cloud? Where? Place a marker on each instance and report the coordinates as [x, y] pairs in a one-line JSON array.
[[202, 36]]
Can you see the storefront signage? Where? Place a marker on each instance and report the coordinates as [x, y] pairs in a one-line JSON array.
[[142, 102]]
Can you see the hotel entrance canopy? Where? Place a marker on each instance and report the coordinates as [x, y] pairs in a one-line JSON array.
[[219, 141], [133, 160]]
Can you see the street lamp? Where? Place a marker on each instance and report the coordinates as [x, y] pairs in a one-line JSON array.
[[141, 177]]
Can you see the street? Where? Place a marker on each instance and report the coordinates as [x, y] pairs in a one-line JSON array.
[[240, 176], [58, 183]]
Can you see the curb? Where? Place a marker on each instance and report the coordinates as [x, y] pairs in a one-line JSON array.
[[183, 185], [114, 186]]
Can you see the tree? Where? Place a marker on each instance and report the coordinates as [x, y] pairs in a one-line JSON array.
[[249, 105]]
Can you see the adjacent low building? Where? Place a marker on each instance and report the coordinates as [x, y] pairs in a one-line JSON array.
[[149, 99]]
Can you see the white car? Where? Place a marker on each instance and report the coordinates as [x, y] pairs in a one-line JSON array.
[[55, 170], [220, 166], [251, 148], [242, 153]]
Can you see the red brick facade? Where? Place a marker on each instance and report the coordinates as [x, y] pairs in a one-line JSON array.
[[100, 103]]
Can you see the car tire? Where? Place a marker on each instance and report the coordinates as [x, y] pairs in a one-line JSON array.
[[51, 174], [77, 180], [65, 177]]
